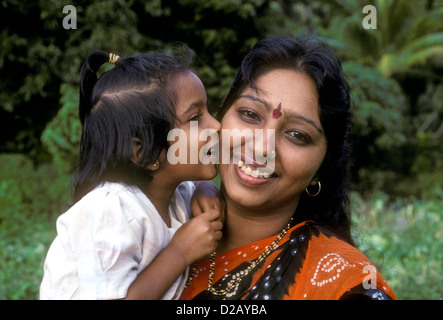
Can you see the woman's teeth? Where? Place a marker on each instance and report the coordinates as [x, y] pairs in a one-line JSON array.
[[253, 173]]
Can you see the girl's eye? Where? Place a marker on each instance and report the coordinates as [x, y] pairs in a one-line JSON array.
[[299, 137], [195, 117], [249, 115]]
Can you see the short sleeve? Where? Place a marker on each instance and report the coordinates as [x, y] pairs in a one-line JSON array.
[[180, 208], [108, 248]]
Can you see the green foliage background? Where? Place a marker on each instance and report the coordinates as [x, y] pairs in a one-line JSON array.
[[395, 72]]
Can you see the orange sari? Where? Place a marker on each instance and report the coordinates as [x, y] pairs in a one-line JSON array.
[[310, 262]]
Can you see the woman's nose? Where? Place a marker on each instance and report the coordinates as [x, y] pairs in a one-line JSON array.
[[264, 143]]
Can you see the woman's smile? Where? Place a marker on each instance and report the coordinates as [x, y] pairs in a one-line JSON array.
[[253, 174]]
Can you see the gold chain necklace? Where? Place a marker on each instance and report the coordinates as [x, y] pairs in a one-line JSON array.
[[236, 279]]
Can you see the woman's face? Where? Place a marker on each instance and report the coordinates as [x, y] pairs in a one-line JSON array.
[[300, 143]]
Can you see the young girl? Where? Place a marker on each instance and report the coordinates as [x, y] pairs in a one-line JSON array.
[[127, 235]]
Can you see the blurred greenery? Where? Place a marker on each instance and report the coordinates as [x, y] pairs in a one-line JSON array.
[[404, 240], [30, 201], [395, 72], [62, 135]]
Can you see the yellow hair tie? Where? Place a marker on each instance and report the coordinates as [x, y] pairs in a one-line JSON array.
[[113, 58]]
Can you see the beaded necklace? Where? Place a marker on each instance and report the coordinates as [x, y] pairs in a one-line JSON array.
[[235, 281]]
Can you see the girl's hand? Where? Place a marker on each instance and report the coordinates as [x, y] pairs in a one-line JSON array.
[[194, 241], [198, 238], [206, 197]]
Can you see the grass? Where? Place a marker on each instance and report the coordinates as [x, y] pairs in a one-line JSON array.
[[30, 201], [403, 238]]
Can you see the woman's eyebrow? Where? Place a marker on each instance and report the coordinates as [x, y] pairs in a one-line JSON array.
[[287, 115], [290, 115], [257, 99]]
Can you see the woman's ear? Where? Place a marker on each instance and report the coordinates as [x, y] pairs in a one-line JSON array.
[[314, 181]]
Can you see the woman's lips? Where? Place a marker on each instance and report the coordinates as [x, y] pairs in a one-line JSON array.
[[252, 174], [253, 171]]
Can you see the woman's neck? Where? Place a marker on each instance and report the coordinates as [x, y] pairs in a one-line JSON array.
[[245, 226]]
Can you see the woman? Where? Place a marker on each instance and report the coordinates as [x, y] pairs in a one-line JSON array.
[[287, 233]]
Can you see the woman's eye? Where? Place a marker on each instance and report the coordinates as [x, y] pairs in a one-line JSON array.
[[299, 136], [250, 115]]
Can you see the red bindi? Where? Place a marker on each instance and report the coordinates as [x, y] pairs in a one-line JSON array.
[[277, 112]]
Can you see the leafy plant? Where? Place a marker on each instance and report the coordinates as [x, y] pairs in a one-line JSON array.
[[62, 135], [408, 34]]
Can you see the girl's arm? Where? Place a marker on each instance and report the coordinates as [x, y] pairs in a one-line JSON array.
[[194, 240]]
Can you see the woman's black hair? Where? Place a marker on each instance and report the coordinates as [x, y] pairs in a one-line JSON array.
[[131, 103], [322, 65]]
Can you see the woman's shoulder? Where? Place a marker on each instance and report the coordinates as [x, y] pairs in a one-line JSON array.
[[325, 241], [333, 264]]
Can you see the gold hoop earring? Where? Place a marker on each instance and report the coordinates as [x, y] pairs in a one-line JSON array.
[[316, 194]]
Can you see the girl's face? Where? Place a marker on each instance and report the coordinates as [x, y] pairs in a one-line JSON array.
[[193, 117], [286, 102]]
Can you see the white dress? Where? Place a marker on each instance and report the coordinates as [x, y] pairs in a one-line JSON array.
[[106, 239]]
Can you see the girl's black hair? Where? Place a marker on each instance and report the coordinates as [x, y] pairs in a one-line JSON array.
[[321, 64], [131, 103]]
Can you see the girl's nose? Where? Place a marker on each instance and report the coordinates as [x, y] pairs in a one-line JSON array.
[[214, 124]]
